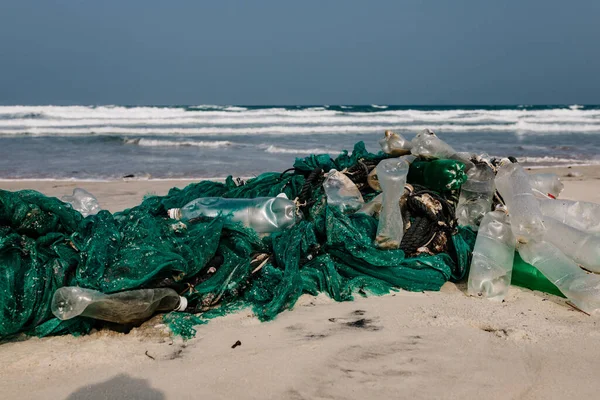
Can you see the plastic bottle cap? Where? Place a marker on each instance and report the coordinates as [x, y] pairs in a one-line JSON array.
[[174, 213], [182, 304]]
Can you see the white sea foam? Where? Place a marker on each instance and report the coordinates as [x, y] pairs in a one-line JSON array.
[[285, 150], [214, 120], [178, 143]]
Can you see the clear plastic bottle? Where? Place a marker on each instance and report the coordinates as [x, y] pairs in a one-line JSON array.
[[427, 144], [391, 174], [582, 215], [342, 192], [582, 247], [526, 218], [581, 288], [395, 144], [123, 307], [263, 214], [83, 201], [476, 196], [491, 267], [546, 185]]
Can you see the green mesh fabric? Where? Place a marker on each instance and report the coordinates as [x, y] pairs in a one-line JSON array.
[[44, 245]]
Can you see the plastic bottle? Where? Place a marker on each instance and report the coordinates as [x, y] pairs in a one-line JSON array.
[[427, 144], [525, 216], [392, 178], [582, 247], [438, 175], [546, 185], [581, 288], [263, 214], [582, 215], [342, 192], [492, 263], [528, 276], [123, 307], [83, 201], [476, 196], [395, 144]]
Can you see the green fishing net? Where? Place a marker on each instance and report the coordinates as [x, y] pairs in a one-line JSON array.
[[220, 266]]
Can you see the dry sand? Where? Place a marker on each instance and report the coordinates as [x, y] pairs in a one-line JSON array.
[[434, 345]]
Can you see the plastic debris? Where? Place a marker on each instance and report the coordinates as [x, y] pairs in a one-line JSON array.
[[582, 247], [427, 144], [83, 201], [392, 175], [525, 216], [493, 255], [476, 196], [582, 215], [581, 288], [395, 144], [122, 308], [439, 175], [546, 185], [342, 192], [263, 214]]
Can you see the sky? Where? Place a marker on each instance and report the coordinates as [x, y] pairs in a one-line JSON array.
[[302, 52]]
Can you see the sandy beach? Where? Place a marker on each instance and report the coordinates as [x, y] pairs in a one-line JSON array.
[[433, 345]]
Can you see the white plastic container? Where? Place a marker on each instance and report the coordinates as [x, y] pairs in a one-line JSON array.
[[525, 216], [342, 192], [582, 247], [491, 267], [392, 175], [263, 214], [581, 288], [476, 196], [582, 215], [83, 201]]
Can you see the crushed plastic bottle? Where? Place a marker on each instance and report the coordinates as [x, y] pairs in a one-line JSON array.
[[582, 215], [525, 216], [546, 185], [427, 144], [392, 178], [263, 214], [342, 192], [395, 144], [372, 207], [476, 196], [439, 175], [582, 247], [83, 201], [123, 307], [493, 255], [581, 288]]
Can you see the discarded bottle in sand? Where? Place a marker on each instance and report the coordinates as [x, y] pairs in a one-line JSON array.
[[427, 144], [582, 215], [83, 201], [525, 216], [342, 192], [581, 288], [263, 214], [528, 276], [123, 307], [546, 185], [582, 247], [395, 144], [439, 175], [476, 196], [392, 178], [493, 255]]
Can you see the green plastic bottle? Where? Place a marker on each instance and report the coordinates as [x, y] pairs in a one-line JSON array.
[[439, 175], [528, 276]]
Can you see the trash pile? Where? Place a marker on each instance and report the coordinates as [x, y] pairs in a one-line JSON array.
[[410, 217]]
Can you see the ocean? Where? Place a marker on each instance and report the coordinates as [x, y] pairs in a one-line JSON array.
[[179, 142]]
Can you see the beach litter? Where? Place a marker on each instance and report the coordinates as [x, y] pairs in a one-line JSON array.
[[411, 217]]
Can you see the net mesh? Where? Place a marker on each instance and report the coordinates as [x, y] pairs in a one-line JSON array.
[[218, 265]]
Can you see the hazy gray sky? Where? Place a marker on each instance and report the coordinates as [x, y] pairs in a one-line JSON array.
[[301, 52]]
